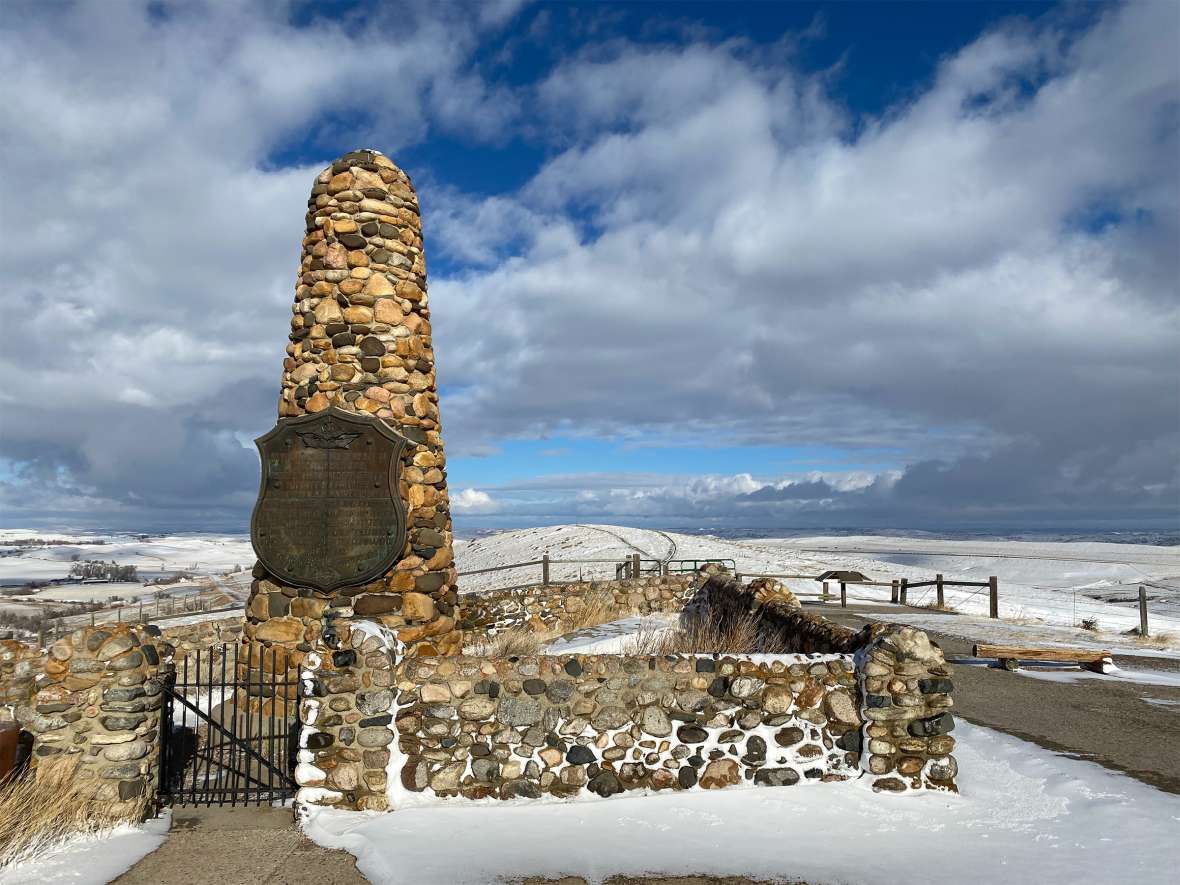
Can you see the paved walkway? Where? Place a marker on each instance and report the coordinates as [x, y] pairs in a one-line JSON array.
[[240, 846]]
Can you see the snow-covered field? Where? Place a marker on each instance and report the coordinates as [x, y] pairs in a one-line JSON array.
[[1025, 815], [1046, 588], [199, 554], [1043, 586]]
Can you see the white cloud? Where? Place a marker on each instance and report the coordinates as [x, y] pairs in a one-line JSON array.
[[473, 501]]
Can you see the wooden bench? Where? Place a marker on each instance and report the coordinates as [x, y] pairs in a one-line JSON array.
[[1010, 656]]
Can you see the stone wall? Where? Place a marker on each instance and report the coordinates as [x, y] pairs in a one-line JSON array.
[[568, 725], [904, 680], [20, 665], [545, 607], [99, 701], [361, 341]]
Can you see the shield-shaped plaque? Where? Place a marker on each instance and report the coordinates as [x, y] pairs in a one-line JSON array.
[[329, 513]]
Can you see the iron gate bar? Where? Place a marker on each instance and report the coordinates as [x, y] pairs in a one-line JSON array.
[[212, 760]]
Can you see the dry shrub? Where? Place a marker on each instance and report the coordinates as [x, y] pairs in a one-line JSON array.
[[600, 608], [38, 812], [1155, 640], [700, 634], [943, 607], [519, 642]]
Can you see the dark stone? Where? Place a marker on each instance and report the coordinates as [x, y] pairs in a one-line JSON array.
[[371, 346], [151, 655], [534, 686], [756, 748], [878, 700], [932, 727], [320, 741], [687, 776], [335, 328], [277, 605], [852, 741], [377, 604], [935, 686], [579, 755], [788, 737], [429, 536], [573, 668], [493, 690], [776, 777], [343, 658], [479, 750], [152, 630], [813, 773], [121, 694], [434, 581], [53, 708], [559, 691], [130, 790], [691, 734], [606, 784], [352, 241], [372, 228], [371, 364], [388, 231], [383, 719], [892, 784], [705, 665], [696, 760], [520, 789], [718, 687], [343, 339], [380, 256], [122, 723]]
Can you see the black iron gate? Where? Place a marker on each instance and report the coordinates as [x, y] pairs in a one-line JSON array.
[[230, 728]]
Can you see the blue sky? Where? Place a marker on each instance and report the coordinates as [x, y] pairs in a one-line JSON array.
[[727, 264]]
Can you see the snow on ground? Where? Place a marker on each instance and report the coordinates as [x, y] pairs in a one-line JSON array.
[[616, 637], [92, 860], [1076, 674], [1025, 815], [201, 554], [1055, 583], [998, 632]]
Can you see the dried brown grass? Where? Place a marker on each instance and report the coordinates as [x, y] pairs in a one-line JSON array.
[[600, 608], [519, 642], [703, 635], [38, 812]]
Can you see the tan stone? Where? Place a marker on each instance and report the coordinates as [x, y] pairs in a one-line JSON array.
[[351, 286], [417, 607], [357, 258], [386, 310], [358, 315], [281, 630], [435, 693], [339, 183], [328, 311], [317, 403], [344, 226], [379, 286], [336, 257], [721, 773]]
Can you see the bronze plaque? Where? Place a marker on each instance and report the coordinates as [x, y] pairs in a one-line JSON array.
[[329, 513]]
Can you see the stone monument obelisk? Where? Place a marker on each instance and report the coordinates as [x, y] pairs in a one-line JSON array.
[[360, 351]]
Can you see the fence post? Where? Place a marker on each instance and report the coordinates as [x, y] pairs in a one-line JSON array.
[[903, 590], [938, 588], [893, 591], [737, 576], [119, 614], [635, 565], [545, 569], [141, 612], [843, 595], [993, 591], [664, 568], [1142, 610], [92, 619], [824, 598], [41, 637]]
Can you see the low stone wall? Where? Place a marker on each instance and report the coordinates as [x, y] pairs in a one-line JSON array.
[[99, 701], [904, 680], [187, 638], [20, 665], [545, 607], [574, 724]]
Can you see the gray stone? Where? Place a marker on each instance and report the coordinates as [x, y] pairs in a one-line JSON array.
[[520, 711], [655, 722]]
